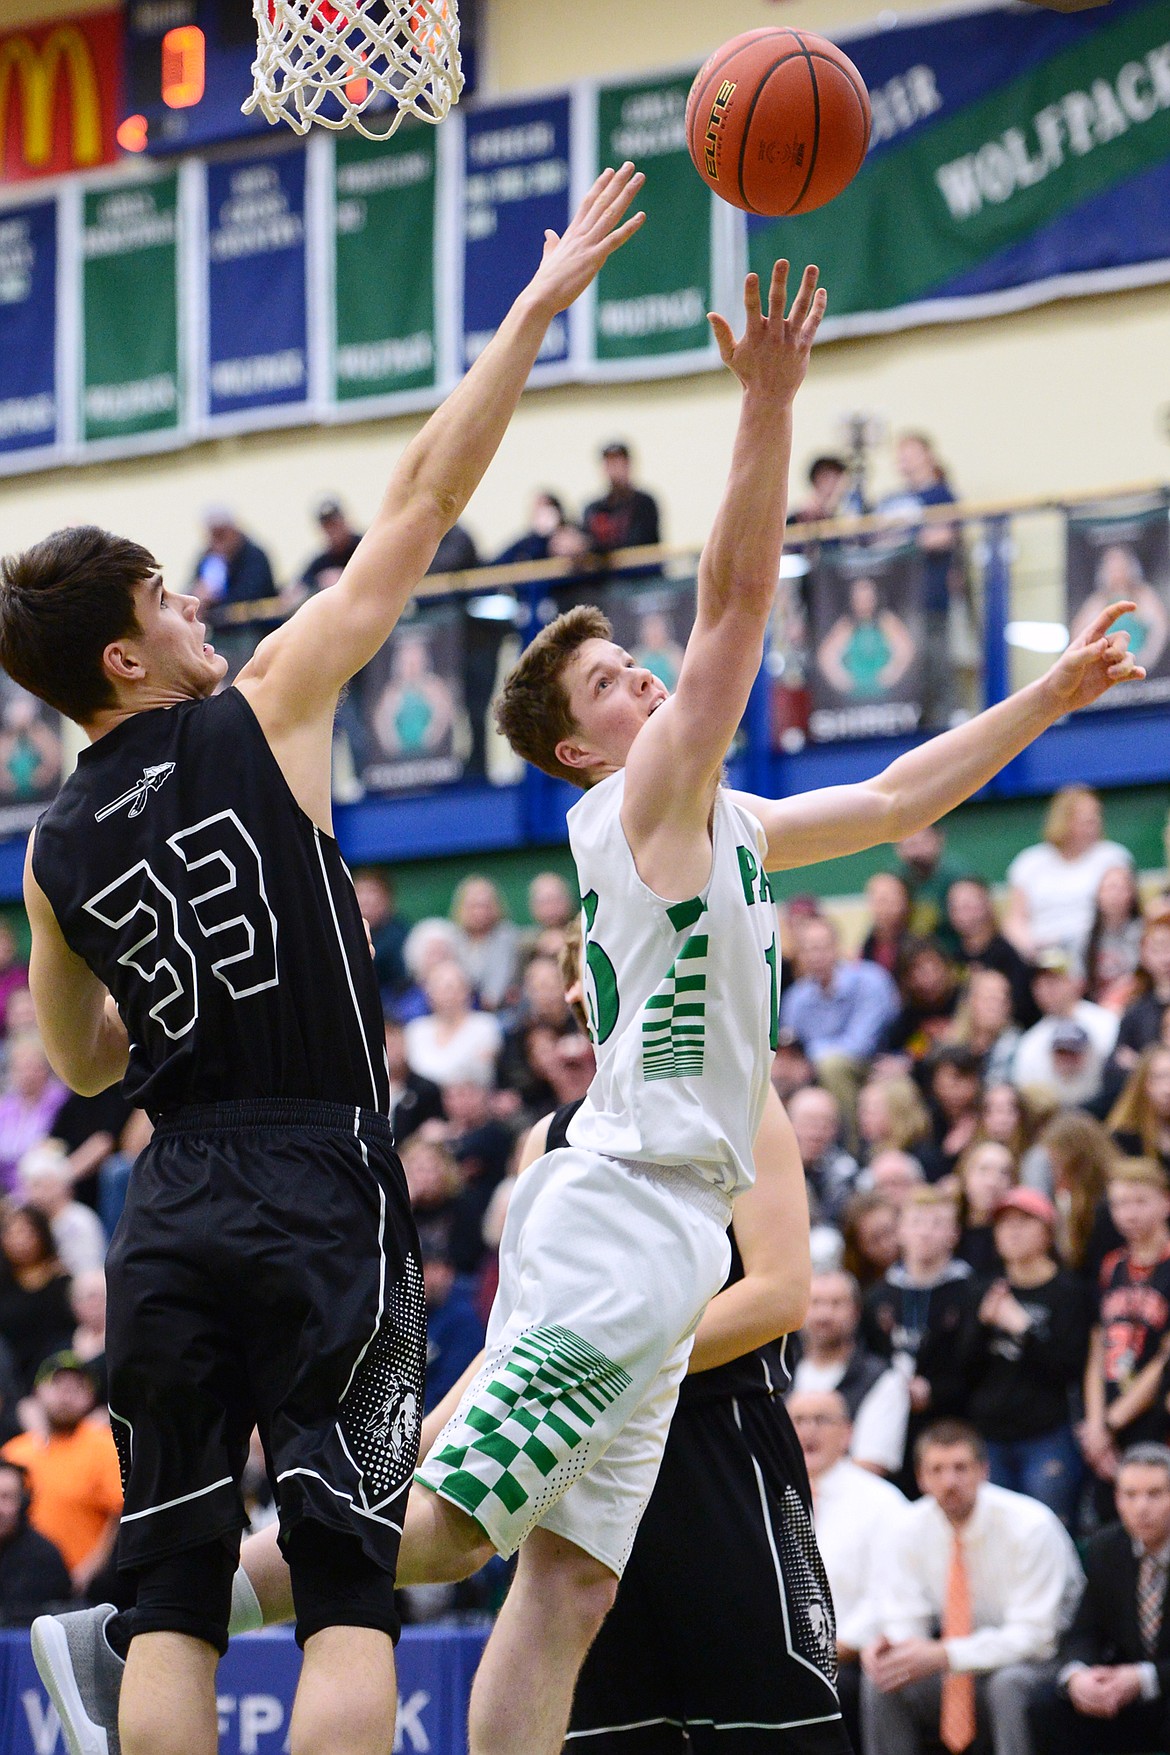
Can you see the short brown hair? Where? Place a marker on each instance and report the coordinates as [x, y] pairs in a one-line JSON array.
[[61, 603], [1146, 1172], [945, 1435], [533, 710]]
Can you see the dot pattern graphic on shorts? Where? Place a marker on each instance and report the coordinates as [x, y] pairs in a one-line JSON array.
[[381, 1416], [812, 1624]]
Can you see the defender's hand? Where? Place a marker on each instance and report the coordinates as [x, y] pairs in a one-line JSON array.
[[595, 231], [772, 354], [1095, 662]]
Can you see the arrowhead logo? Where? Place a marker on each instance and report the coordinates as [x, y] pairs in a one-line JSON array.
[[134, 799]]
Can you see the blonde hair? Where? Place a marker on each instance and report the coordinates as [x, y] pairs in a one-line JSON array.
[[1133, 1112], [909, 1119], [932, 1194], [1058, 821], [1145, 1172], [533, 709]]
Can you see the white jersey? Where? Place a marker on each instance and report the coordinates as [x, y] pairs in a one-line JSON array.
[[682, 997]]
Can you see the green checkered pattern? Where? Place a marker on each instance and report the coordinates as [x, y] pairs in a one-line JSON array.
[[674, 1027], [540, 1403]]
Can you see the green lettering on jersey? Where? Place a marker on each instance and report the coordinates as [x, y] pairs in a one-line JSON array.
[[756, 885], [674, 1028], [601, 994]]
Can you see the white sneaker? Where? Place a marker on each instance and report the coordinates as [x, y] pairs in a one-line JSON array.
[[83, 1675]]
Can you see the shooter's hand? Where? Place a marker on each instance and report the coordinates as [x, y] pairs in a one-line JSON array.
[[595, 231], [1094, 662], [771, 356]]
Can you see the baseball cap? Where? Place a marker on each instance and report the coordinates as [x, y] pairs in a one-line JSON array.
[[66, 1360], [1030, 1201], [329, 509], [615, 448], [1069, 1038]]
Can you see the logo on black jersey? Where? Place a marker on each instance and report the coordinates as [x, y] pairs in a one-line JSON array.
[[137, 795]]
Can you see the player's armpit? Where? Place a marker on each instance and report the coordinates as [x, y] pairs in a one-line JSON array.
[[85, 1039]]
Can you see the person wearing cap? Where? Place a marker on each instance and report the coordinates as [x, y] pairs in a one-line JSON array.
[[341, 541], [72, 1469], [232, 568], [625, 516], [1023, 1348], [1067, 1050]]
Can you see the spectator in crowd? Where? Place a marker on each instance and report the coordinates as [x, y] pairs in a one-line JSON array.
[[895, 1176], [984, 1024], [1111, 1695], [1113, 949], [388, 929], [980, 944], [985, 1174], [87, 1296], [1124, 1400], [551, 534], [838, 1008], [33, 1576], [832, 1357], [452, 1043], [72, 1470], [456, 552], [1053, 885], [447, 1221], [869, 1230], [552, 908], [830, 1171], [431, 942], [955, 1089], [1066, 1051], [922, 861], [929, 991], [890, 903], [792, 1069], [90, 1131], [1080, 1157], [1140, 1119], [996, 1574], [413, 1099], [1141, 1022], [542, 1006], [232, 568], [924, 483], [44, 1181], [828, 484], [854, 1513], [1024, 1346], [13, 971], [455, 1330], [489, 944], [341, 540], [891, 1116], [28, 1107], [1015, 1118], [625, 516], [35, 1315], [913, 1316]]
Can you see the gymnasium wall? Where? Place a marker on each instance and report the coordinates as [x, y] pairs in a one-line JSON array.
[[1060, 398]]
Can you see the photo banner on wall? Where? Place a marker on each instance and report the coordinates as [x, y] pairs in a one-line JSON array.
[[1119, 552], [414, 730], [30, 757], [130, 298], [28, 327], [865, 655], [1007, 166], [385, 263], [515, 188], [654, 295], [257, 292]]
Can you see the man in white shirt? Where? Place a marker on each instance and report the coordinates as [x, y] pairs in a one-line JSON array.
[[876, 1396], [977, 1586], [1047, 1051], [854, 1512]]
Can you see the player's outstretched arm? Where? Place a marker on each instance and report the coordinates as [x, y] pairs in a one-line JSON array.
[[927, 782], [677, 760], [307, 662], [84, 1037]]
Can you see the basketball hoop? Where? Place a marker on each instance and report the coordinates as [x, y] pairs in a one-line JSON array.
[[352, 50]]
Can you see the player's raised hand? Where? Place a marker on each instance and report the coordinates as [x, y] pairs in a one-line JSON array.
[[772, 353], [1097, 660], [596, 230]]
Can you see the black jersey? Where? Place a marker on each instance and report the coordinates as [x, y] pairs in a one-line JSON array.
[[763, 1371], [221, 918]]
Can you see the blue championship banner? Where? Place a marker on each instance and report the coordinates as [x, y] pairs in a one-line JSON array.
[[28, 327], [257, 312], [515, 187]]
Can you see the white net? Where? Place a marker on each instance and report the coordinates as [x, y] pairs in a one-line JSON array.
[[331, 61]]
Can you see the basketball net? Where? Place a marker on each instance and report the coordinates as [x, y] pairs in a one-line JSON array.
[[354, 49]]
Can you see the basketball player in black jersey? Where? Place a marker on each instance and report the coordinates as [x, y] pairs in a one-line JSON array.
[[196, 936]]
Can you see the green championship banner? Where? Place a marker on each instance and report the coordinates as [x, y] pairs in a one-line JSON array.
[[385, 264], [653, 296], [132, 380], [1016, 156]]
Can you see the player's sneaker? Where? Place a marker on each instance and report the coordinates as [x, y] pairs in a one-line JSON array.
[[83, 1675]]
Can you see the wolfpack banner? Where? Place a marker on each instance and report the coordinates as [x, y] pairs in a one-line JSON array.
[[1006, 166]]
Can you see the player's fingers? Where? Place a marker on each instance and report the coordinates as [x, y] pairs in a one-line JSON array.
[[592, 196], [1101, 623], [618, 196], [724, 337], [617, 238], [551, 240], [778, 291], [751, 299], [812, 322], [802, 303]]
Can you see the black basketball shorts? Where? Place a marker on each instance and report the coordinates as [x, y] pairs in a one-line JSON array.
[[265, 1272], [722, 1638]]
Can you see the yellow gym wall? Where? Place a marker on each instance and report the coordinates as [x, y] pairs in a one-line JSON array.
[[1063, 397]]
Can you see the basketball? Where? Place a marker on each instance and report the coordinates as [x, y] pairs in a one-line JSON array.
[[778, 121]]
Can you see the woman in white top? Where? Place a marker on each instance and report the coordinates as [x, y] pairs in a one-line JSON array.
[[453, 1045], [1054, 884]]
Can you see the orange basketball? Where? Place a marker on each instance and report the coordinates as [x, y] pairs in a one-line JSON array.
[[778, 121]]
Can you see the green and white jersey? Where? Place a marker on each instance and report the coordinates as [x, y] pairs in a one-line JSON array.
[[682, 997]]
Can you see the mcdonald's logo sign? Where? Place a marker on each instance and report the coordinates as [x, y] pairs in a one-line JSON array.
[[60, 86]]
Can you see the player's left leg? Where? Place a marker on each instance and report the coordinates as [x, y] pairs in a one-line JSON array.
[[523, 1690], [354, 1717]]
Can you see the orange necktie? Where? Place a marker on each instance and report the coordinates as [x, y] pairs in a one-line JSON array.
[[957, 1717]]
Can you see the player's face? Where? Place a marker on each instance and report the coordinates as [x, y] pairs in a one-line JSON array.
[[610, 700], [172, 643]]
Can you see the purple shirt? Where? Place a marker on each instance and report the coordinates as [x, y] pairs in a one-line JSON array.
[[24, 1125]]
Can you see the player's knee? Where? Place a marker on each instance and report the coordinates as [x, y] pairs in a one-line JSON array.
[[336, 1584], [189, 1592], [582, 1588]]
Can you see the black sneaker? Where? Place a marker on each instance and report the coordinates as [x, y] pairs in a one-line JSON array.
[[83, 1675]]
